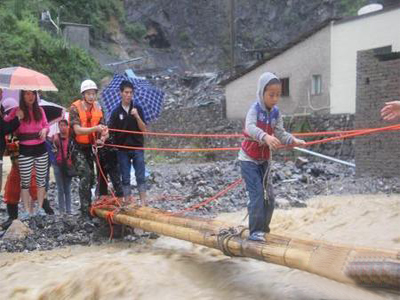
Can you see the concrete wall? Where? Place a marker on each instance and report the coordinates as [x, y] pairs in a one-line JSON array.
[[77, 35], [348, 37], [377, 82], [299, 63]]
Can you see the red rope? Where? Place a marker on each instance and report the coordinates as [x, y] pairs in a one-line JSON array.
[[358, 133], [321, 141], [211, 135], [110, 203], [240, 135], [174, 149]]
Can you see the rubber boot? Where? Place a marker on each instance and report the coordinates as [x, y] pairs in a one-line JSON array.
[[47, 208], [12, 211]]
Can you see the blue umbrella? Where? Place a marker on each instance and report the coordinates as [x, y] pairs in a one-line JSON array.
[[149, 98]]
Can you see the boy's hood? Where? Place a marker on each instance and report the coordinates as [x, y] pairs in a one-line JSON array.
[[262, 83]]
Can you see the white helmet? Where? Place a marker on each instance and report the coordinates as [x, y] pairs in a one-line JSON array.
[[88, 85]]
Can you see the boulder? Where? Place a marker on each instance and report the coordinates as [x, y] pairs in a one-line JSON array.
[[17, 231]]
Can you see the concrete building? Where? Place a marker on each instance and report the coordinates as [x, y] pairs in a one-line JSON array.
[[318, 70]]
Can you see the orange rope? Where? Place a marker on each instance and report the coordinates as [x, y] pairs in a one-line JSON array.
[[105, 202], [358, 133], [217, 135], [340, 137], [324, 133], [174, 149], [239, 135]]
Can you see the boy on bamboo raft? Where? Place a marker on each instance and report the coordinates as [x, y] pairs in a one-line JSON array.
[[264, 133]]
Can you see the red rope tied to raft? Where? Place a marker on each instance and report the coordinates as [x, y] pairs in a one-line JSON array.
[[106, 202], [112, 203]]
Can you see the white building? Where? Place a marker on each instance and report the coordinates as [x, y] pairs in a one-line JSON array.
[[318, 70]]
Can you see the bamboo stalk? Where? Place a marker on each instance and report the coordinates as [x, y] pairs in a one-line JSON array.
[[330, 261]]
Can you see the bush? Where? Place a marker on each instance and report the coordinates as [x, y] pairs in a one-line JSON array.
[[135, 31]]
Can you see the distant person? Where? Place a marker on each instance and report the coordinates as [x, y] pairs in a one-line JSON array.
[[391, 111], [32, 134], [6, 128], [63, 180], [264, 133], [129, 116], [87, 129]]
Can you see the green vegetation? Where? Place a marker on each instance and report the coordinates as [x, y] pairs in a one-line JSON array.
[[135, 30], [94, 12], [25, 43], [184, 37]]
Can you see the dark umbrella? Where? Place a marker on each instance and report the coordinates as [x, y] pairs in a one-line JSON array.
[[149, 98]]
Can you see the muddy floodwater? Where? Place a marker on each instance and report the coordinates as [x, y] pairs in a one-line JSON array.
[[167, 268]]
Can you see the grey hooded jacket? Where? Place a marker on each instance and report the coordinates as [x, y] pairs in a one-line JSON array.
[[251, 128]]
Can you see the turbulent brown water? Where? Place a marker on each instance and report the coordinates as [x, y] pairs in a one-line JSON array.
[[171, 269]]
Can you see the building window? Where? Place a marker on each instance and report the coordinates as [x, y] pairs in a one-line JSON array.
[[285, 87], [316, 85]]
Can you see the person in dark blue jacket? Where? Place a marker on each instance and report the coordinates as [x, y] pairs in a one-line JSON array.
[[128, 116]]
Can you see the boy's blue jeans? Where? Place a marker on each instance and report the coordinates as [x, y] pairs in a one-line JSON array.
[[125, 160], [260, 210], [64, 190]]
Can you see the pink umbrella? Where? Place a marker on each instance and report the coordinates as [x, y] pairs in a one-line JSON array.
[[19, 78]]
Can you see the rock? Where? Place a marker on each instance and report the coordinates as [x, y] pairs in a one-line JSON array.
[[17, 231], [301, 161], [282, 203], [304, 178], [315, 171], [288, 173]]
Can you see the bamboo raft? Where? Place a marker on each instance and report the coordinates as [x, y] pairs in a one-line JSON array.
[[375, 268]]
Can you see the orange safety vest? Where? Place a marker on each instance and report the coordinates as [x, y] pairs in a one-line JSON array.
[[88, 119]]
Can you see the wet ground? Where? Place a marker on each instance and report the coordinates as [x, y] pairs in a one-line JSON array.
[[175, 187], [167, 268]]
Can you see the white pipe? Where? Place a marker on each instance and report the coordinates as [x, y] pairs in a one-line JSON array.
[[123, 62], [325, 156]]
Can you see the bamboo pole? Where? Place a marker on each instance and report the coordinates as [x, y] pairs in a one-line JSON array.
[[341, 263], [216, 226]]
